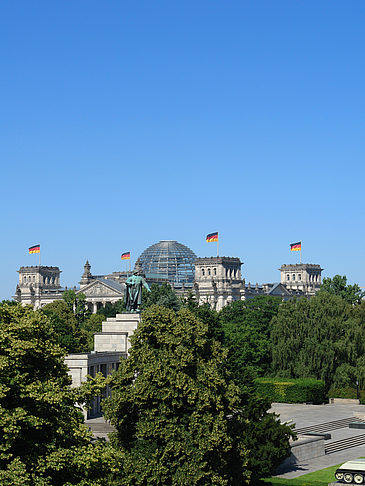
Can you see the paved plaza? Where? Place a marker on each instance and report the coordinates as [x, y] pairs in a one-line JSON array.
[[308, 415]]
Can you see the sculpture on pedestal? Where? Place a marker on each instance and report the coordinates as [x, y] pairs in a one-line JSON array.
[[133, 292]]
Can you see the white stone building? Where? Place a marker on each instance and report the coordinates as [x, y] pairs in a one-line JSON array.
[[302, 277], [38, 285], [110, 346]]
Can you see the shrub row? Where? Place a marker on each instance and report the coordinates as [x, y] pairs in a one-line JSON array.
[[347, 392], [291, 391]]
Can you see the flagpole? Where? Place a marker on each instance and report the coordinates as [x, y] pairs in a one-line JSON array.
[[218, 247], [39, 257]]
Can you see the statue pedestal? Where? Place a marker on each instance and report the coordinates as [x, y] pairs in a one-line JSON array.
[[115, 333]]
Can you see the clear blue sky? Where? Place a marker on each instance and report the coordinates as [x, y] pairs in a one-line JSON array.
[[126, 122]]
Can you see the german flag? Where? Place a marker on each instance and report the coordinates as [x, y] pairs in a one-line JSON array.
[[296, 246], [212, 237], [35, 249], [126, 256]]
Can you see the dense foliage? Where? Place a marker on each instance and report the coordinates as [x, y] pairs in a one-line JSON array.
[[112, 309], [291, 391], [188, 404], [338, 286], [179, 418], [163, 295], [43, 441], [246, 328], [322, 338], [66, 328]]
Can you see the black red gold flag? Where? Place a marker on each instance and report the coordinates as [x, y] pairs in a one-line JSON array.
[[296, 246], [35, 249], [212, 237]]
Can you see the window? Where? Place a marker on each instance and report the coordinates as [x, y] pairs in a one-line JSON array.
[[287, 276], [203, 272], [293, 276], [299, 276], [209, 272], [214, 271]]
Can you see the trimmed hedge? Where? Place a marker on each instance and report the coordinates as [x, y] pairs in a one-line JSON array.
[[347, 392], [291, 391]]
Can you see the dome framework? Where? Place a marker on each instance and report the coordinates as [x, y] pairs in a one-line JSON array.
[[170, 260]]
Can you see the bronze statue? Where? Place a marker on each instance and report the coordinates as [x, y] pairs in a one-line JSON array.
[[133, 292]]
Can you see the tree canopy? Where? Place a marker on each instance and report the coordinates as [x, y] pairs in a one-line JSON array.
[[77, 304], [246, 328], [338, 286], [163, 295], [43, 441], [323, 338], [179, 417], [64, 323]]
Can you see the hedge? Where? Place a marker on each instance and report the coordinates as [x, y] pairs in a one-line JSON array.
[[347, 392], [291, 391]]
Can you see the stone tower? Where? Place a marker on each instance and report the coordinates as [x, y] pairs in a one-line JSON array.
[[86, 276], [218, 281], [304, 277], [38, 285]]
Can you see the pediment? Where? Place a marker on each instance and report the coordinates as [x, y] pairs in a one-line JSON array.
[[280, 290], [98, 288]]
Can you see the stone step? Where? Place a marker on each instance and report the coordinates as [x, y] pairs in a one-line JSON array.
[[327, 426], [340, 445]]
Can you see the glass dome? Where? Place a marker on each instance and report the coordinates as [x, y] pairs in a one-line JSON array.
[[169, 260]]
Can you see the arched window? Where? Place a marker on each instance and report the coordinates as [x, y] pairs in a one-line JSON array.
[[214, 271], [287, 276], [203, 272], [293, 276], [208, 272]]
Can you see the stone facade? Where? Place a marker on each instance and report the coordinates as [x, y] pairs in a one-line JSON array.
[[38, 286], [115, 333], [80, 365], [302, 277], [110, 346], [99, 290], [218, 281]]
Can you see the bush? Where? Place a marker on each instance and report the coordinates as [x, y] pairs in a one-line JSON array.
[[291, 391], [347, 392]]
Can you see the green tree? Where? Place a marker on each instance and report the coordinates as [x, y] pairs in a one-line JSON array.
[[246, 327], [8, 302], [91, 326], [77, 304], [322, 338], [178, 416], [163, 295], [64, 323], [338, 286], [111, 310], [43, 441]]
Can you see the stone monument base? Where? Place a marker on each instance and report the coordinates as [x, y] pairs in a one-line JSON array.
[[115, 333]]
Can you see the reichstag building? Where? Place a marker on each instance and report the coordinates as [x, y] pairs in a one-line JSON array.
[[214, 280]]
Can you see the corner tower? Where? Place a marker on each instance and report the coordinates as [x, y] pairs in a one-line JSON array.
[[218, 281], [303, 277], [38, 286]]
